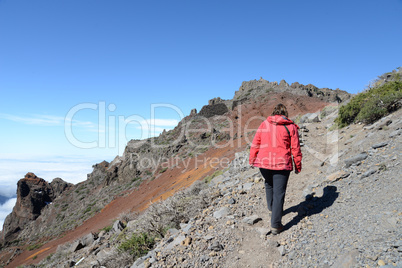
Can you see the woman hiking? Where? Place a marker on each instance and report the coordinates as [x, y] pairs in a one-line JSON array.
[[274, 143]]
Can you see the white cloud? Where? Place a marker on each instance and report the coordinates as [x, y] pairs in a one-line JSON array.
[[35, 120], [6, 209], [13, 167], [8, 190], [73, 169], [47, 120]]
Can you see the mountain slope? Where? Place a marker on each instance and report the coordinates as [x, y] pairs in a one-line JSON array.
[[125, 185]]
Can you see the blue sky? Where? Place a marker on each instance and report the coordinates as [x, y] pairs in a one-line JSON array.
[[123, 56]]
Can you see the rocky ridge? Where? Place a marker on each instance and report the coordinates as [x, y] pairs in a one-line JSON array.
[[256, 88]]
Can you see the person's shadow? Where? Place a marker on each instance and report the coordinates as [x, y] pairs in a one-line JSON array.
[[312, 206]]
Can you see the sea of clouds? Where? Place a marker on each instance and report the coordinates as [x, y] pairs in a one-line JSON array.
[[72, 169]]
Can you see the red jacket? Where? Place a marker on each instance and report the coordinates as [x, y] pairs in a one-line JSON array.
[[273, 147]]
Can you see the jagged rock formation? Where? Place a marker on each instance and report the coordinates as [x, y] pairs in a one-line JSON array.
[[256, 88], [214, 109], [59, 186], [99, 173], [33, 194], [193, 112]]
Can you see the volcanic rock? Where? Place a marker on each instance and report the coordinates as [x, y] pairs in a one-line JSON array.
[[33, 194]]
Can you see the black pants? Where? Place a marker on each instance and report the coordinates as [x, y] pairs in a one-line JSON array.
[[275, 189]]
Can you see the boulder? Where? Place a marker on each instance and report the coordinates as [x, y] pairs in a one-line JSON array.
[[355, 159], [379, 145], [239, 164], [185, 227], [282, 250], [368, 173], [215, 246], [252, 219], [88, 239], [172, 231], [337, 176], [77, 245], [263, 231], [177, 241], [222, 212], [310, 118], [118, 226], [395, 133]]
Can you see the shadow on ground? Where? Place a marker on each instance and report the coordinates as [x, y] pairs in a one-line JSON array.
[[312, 206]]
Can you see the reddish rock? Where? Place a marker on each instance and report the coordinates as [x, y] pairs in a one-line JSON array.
[[33, 194]]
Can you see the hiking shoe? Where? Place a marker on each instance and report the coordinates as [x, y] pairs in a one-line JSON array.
[[276, 231]]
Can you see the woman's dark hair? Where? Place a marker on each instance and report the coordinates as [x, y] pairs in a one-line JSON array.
[[280, 109]]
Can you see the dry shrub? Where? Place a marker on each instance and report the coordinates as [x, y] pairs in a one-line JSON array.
[[125, 217], [178, 208], [123, 259]]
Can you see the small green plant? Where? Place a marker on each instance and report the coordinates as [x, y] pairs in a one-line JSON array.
[[34, 257], [138, 244], [107, 228], [383, 167], [147, 172], [333, 127], [88, 209], [34, 246], [15, 242], [163, 170], [49, 256], [135, 179]]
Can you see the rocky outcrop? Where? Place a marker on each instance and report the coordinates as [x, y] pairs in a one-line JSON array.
[[215, 101], [59, 186], [255, 88], [193, 112], [214, 109], [99, 173], [33, 194]]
